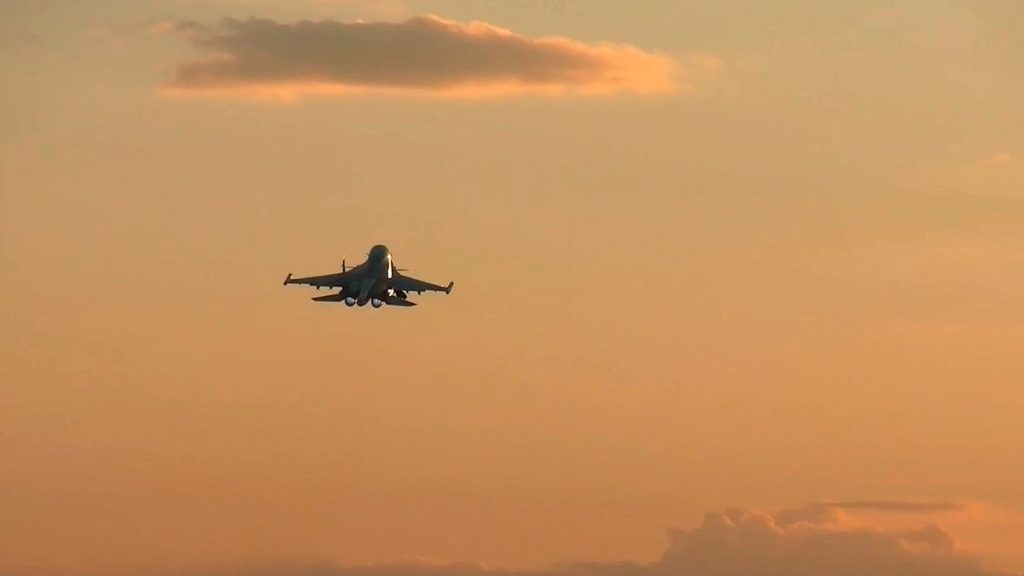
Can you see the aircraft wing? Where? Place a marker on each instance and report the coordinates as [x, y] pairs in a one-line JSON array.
[[410, 284], [336, 280]]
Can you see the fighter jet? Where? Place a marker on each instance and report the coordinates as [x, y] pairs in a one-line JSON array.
[[376, 281]]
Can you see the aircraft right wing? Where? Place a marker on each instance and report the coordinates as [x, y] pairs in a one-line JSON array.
[[410, 284]]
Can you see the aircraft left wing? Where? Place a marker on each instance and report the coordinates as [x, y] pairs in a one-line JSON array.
[[410, 284], [330, 280]]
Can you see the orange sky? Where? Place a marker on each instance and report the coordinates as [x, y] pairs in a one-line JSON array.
[[789, 276]]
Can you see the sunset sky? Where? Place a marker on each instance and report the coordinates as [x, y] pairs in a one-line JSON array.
[[738, 287]]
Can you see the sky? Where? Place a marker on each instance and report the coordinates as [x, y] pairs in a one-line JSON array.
[[737, 288]]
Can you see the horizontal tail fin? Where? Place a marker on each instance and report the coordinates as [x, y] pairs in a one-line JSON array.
[[329, 298], [398, 301]]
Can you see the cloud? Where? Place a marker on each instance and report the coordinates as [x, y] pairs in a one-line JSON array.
[[424, 55], [752, 543], [913, 507], [815, 540]]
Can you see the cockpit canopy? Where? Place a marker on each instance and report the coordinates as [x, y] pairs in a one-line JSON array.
[[378, 253]]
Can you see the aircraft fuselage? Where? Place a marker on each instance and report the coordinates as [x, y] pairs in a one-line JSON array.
[[376, 284]]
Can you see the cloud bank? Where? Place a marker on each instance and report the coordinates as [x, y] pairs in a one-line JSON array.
[[816, 540], [913, 507], [424, 55]]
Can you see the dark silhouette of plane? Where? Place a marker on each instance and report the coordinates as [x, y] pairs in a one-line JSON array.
[[376, 281]]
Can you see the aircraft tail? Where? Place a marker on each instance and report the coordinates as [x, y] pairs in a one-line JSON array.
[[397, 301], [329, 298]]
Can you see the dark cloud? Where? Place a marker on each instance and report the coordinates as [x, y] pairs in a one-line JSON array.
[[751, 543], [425, 55], [810, 541]]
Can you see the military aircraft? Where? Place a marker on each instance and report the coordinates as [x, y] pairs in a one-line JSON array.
[[376, 281]]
